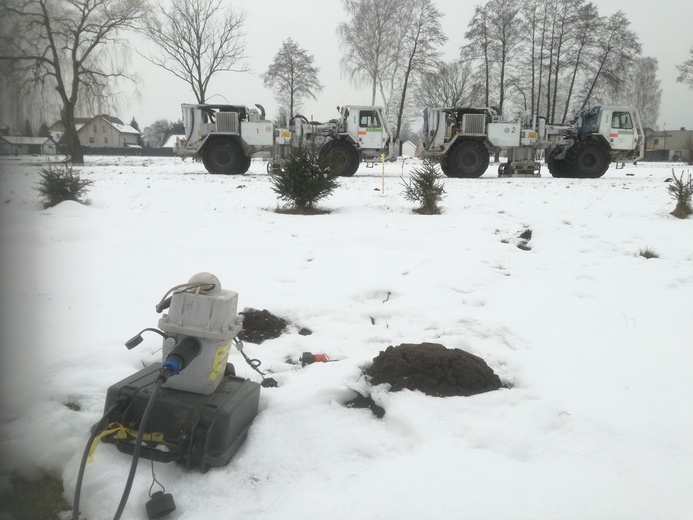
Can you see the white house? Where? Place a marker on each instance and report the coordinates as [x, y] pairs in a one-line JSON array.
[[102, 131], [108, 132]]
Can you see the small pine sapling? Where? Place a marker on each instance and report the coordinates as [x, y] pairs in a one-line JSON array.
[[681, 190], [60, 183], [425, 186], [304, 180]]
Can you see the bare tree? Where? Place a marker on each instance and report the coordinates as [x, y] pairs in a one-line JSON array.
[[616, 51], [565, 25], [686, 71], [526, 78], [479, 46], [644, 90], [505, 39], [494, 35], [292, 76], [420, 48], [449, 85], [196, 39], [71, 45], [371, 40], [156, 134], [587, 26]]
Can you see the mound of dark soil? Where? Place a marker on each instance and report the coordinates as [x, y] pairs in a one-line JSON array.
[[259, 326], [432, 369]]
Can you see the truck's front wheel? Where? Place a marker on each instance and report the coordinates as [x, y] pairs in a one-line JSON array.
[[587, 160], [341, 157], [557, 167], [225, 158], [467, 159]]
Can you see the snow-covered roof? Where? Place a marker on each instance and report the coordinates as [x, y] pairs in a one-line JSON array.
[[119, 125], [19, 139]]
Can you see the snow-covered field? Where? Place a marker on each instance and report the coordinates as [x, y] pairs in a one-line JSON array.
[[595, 341]]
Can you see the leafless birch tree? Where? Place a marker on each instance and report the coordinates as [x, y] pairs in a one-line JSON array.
[[370, 40], [419, 49]]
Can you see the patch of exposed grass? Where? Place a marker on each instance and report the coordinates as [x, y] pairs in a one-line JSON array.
[[302, 211], [34, 500], [648, 253]]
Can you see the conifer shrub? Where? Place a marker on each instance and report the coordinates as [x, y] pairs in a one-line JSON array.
[[60, 182], [681, 190], [304, 180], [425, 186]]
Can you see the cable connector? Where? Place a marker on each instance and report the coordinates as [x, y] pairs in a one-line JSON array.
[[137, 339], [308, 358], [180, 357]]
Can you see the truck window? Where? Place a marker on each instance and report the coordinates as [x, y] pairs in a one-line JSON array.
[[369, 119], [621, 120]]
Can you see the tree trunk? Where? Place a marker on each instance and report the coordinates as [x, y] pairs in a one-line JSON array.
[[594, 82], [572, 83], [74, 147]]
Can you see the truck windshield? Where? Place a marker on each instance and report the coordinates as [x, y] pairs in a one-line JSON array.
[[369, 119], [621, 120]]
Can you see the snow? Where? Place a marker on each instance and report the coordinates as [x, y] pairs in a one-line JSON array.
[[594, 341]]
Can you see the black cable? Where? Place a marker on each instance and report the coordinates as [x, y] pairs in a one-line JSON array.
[[95, 430], [267, 382], [138, 447]]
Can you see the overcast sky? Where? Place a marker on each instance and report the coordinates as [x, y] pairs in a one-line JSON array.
[[664, 29]]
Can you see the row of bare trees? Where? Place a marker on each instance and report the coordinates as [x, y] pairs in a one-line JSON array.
[[550, 56], [547, 56]]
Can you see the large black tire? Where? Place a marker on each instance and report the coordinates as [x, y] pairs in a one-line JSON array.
[[225, 157], [341, 157], [444, 166], [587, 160], [557, 167], [466, 159], [245, 164]]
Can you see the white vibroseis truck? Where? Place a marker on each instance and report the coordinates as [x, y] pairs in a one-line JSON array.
[[462, 138], [226, 137]]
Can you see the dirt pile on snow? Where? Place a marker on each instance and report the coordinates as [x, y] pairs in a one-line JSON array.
[[259, 326], [432, 369]]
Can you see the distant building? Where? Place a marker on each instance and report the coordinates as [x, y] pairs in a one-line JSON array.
[[19, 145], [57, 129], [4, 129], [408, 149], [172, 140], [100, 131], [669, 145]]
